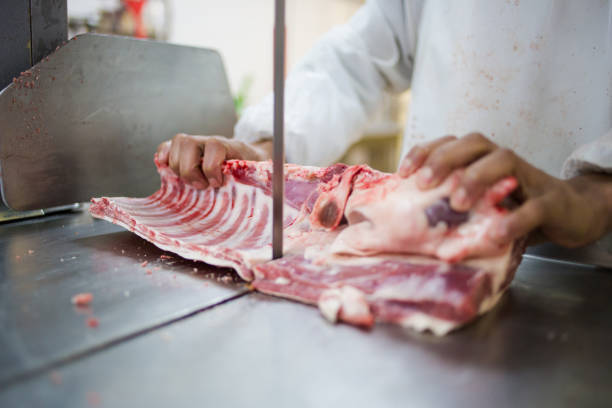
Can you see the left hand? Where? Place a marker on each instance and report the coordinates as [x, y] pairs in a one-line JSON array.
[[571, 212]]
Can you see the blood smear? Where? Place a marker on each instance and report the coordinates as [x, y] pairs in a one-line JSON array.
[[82, 299]]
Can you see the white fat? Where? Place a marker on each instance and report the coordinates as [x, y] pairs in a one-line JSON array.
[[354, 302], [313, 253], [329, 304], [332, 270], [348, 299], [421, 322], [281, 280]]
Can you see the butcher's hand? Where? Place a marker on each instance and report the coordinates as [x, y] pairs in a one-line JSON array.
[[198, 159], [571, 212]]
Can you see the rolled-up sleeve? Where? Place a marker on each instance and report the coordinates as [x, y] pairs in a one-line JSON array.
[[339, 84], [593, 157]]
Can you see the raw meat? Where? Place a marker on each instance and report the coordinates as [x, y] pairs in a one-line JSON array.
[[423, 222], [417, 292], [355, 240], [228, 226], [81, 299], [92, 322]]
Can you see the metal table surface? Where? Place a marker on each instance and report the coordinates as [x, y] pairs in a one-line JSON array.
[[45, 261], [546, 344]]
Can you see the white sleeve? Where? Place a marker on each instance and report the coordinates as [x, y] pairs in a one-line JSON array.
[[339, 84], [593, 157]]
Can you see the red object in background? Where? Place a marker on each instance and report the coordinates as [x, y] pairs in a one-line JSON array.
[[135, 7]]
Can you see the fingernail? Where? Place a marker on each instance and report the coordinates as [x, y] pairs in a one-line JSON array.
[[406, 167], [459, 199], [425, 177]]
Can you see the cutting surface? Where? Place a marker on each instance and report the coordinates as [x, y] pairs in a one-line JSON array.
[[546, 344], [45, 261]]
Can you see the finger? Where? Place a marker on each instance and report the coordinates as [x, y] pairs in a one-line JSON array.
[[175, 152], [163, 152], [190, 159], [481, 175], [235, 149], [419, 153], [520, 222], [450, 156], [501, 189], [214, 156]]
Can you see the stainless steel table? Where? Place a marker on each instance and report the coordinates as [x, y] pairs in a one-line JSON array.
[[175, 341], [45, 261]]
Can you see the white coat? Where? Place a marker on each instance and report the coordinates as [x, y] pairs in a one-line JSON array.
[[533, 76]]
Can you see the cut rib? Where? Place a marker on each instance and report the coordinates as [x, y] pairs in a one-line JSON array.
[[354, 240]]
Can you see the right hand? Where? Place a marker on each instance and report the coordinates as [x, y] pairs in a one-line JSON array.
[[198, 159], [570, 213]]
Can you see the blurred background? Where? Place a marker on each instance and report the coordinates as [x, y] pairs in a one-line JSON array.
[[241, 30]]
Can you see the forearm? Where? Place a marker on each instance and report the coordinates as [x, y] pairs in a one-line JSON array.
[[264, 149], [333, 91]]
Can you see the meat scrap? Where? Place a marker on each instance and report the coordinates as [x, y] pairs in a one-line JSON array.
[[82, 299], [92, 322], [363, 245]]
